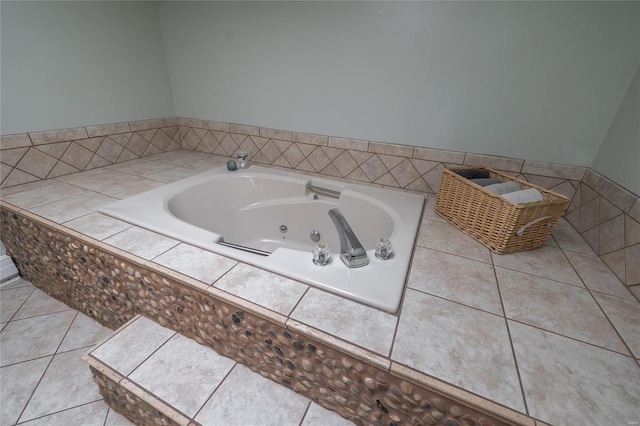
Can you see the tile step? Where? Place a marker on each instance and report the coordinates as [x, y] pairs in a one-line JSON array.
[[150, 373]]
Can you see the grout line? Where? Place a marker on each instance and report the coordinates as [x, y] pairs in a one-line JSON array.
[[306, 411], [511, 344], [226, 376], [46, 369]]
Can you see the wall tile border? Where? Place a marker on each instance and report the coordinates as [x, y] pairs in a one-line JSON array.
[[595, 201]]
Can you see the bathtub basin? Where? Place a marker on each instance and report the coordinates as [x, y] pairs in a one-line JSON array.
[[264, 217]]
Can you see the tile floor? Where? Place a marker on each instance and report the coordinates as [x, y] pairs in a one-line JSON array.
[[551, 332], [43, 381], [202, 385]]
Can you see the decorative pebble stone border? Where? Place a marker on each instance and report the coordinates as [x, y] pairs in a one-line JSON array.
[[113, 286]]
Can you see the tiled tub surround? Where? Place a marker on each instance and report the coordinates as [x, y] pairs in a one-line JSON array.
[[33, 156], [360, 384], [534, 315]]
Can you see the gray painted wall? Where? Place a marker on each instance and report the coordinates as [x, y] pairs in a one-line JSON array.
[[534, 80], [619, 155], [69, 64]]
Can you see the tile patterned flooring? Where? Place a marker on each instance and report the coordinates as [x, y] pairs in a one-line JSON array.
[[550, 332], [43, 381]]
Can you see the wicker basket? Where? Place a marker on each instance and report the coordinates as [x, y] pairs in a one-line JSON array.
[[501, 225]]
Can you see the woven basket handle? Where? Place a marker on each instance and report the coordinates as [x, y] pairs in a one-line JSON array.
[[523, 228]]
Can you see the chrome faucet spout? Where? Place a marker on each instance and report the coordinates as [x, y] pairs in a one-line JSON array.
[[351, 251]]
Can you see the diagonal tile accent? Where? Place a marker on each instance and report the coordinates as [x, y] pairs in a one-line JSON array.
[[345, 163], [36, 163], [404, 173], [110, 150], [55, 149], [137, 144], [373, 168], [293, 155], [228, 145]]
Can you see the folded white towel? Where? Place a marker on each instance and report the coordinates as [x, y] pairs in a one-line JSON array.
[[503, 188], [524, 196]]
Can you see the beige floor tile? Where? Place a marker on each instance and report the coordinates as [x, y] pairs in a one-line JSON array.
[[196, 262], [84, 332], [17, 383], [173, 174], [141, 167], [445, 237], [318, 416], [138, 340], [40, 303], [429, 206], [183, 373], [247, 398], [47, 192], [73, 207], [625, 316], [116, 419], [97, 225], [15, 283], [597, 276], [272, 291], [336, 315], [67, 383], [133, 186], [455, 278], [556, 307], [548, 262], [96, 179], [568, 382], [34, 337], [141, 242], [455, 343], [91, 414], [11, 299], [569, 239]]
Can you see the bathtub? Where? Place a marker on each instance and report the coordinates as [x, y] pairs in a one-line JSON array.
[[264, 217]]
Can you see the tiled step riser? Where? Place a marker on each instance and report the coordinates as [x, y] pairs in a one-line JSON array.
[[128, 404], [101, 282]]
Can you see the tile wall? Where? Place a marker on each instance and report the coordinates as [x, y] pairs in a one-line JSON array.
[[29, 157], [606, 215]]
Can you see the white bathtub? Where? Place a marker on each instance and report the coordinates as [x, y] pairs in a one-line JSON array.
[[249, 207]]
